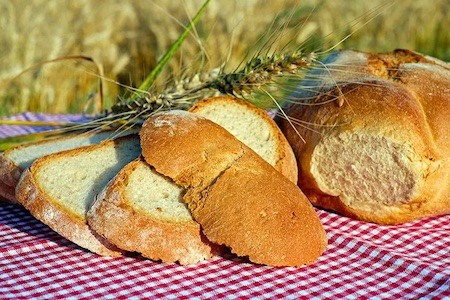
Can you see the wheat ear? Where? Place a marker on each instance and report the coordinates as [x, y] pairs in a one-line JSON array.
[[257, 72]]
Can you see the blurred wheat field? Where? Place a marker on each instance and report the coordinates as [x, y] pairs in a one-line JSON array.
[[126, 38]]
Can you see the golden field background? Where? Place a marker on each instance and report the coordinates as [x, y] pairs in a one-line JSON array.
[[125, 39]]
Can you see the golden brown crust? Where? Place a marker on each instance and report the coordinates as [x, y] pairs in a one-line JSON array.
[[177, 151], [114, 218], [286, 162], [276, 224], [431, 89], [238, 198], [45, 210], [400, 96]]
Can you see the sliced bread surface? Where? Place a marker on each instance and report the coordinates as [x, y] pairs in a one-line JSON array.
[[58, 189], [15, 160], [153, 218]]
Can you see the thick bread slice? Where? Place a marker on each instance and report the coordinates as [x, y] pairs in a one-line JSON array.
[[58, 189], [381, 149], [142, 211], [169, 233], [13, 161], [236, 196], [253, 127]]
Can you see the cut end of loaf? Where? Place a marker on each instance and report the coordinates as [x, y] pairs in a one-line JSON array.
[[7, 193], [24, 156], [9, 177], [366, 171], [15, 160]]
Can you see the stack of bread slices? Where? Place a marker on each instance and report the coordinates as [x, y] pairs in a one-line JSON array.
[[189, 186]]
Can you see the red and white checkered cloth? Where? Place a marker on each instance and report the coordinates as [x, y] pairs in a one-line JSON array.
[[362, 261]]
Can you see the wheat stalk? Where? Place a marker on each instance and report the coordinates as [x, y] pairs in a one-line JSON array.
[[257, 72], [179, 96]]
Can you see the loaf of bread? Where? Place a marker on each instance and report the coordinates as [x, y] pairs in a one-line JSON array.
[[378, 147], [59, 188], [142, 211], [239, 199], [15, 160]]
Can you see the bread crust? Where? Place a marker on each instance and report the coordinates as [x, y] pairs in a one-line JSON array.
[[175, 142], [286, 162], [276, 224], [58, 218], [271, 222], [114, 217], [401, 97]]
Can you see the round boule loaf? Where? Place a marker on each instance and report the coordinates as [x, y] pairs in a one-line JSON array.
[[378, 144]]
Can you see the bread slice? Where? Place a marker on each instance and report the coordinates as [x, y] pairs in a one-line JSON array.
[[161, 226], [59, 188], [237, 197], [142, 211], [15, 160], [381, 149], [253, 127]]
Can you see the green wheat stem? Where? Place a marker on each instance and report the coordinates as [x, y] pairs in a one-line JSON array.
[[150, 79]]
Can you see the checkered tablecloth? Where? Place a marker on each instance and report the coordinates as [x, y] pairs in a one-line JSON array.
[[362, 261]]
